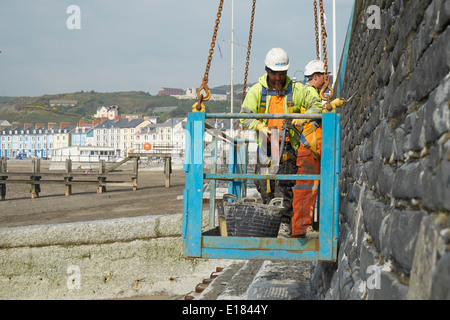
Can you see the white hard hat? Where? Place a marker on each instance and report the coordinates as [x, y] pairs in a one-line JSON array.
[[315, 66], [277, 60]]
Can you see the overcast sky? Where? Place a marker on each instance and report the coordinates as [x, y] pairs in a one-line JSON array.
[[148, 44]]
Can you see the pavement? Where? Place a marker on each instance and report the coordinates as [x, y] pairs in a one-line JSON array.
[[257, 280]]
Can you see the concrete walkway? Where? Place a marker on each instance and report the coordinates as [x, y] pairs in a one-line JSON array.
[[258, 280]]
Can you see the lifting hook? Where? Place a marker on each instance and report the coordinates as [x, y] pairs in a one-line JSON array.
[[327, 97], [200, 106]]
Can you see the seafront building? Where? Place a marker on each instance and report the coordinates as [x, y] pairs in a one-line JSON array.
[[27, 140], [82, 135], [120, 136], [116, 138], [124, 134], [169, 135], [84, 154]]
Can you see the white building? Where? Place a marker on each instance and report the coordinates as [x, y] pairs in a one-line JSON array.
[[84, 154], [32, 140], [61, 137], [118, 134], [170, 134], [4, 124], [110, 112], [191, 94]]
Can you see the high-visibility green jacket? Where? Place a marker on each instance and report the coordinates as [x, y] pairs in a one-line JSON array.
[[303, 101], [313, 91]]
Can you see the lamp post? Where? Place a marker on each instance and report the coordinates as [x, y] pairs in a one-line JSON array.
[[334, 40], [232, 64]]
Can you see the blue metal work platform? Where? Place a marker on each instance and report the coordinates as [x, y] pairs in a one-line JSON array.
[[201, 241]]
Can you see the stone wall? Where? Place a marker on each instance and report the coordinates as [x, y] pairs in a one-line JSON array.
[[395, 180]]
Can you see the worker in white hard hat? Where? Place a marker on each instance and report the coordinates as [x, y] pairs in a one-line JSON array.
[[275, 92], [308, 156], [308, 160], [315, 73]]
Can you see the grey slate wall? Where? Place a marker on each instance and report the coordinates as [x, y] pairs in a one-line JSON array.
[[395, 180]]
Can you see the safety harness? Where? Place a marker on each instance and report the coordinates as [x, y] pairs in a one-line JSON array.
[[279, 93], [262, 109], [299, 136]]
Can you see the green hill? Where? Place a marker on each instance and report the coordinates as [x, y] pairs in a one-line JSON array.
[[38, 109]]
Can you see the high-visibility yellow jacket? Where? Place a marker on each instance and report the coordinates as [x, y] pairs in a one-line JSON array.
[[313, 91], [303, 101]]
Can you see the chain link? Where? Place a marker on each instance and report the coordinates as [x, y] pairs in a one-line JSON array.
[[317, 30], [248, 49], [324, 39], [204, 85], [327, 85]]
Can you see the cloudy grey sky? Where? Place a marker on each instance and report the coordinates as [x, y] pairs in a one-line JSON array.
[[148, 44]]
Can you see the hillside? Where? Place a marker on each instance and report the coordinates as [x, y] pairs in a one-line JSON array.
[[38, 110]]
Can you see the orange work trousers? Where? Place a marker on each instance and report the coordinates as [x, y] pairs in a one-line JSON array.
[[305, 191]]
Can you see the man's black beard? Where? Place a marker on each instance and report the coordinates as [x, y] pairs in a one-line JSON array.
[[274, 86]]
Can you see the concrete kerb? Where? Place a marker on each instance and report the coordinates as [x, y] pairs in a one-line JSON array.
[[92, 232], [105, 259]]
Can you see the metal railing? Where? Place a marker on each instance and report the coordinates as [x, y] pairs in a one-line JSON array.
[[209, 245]]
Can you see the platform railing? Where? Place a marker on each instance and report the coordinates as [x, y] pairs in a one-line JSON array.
[[199, 243]]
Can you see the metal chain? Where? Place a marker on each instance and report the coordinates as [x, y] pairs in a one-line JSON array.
[[204, 85], [248, 49], [324, 40], [317, 30], [327, 85]]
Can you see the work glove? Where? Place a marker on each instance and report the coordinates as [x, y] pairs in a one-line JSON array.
[[337, 103], [262, 127], [202, 109], [299, 122]]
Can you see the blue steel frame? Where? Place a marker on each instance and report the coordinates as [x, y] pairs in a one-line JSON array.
[[201, 245]]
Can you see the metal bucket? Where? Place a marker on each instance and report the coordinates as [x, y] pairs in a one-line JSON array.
[[247, 218]]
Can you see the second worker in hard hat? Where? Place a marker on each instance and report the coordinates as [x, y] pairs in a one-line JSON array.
[[308, 156], [315, 73], [275, 92]]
